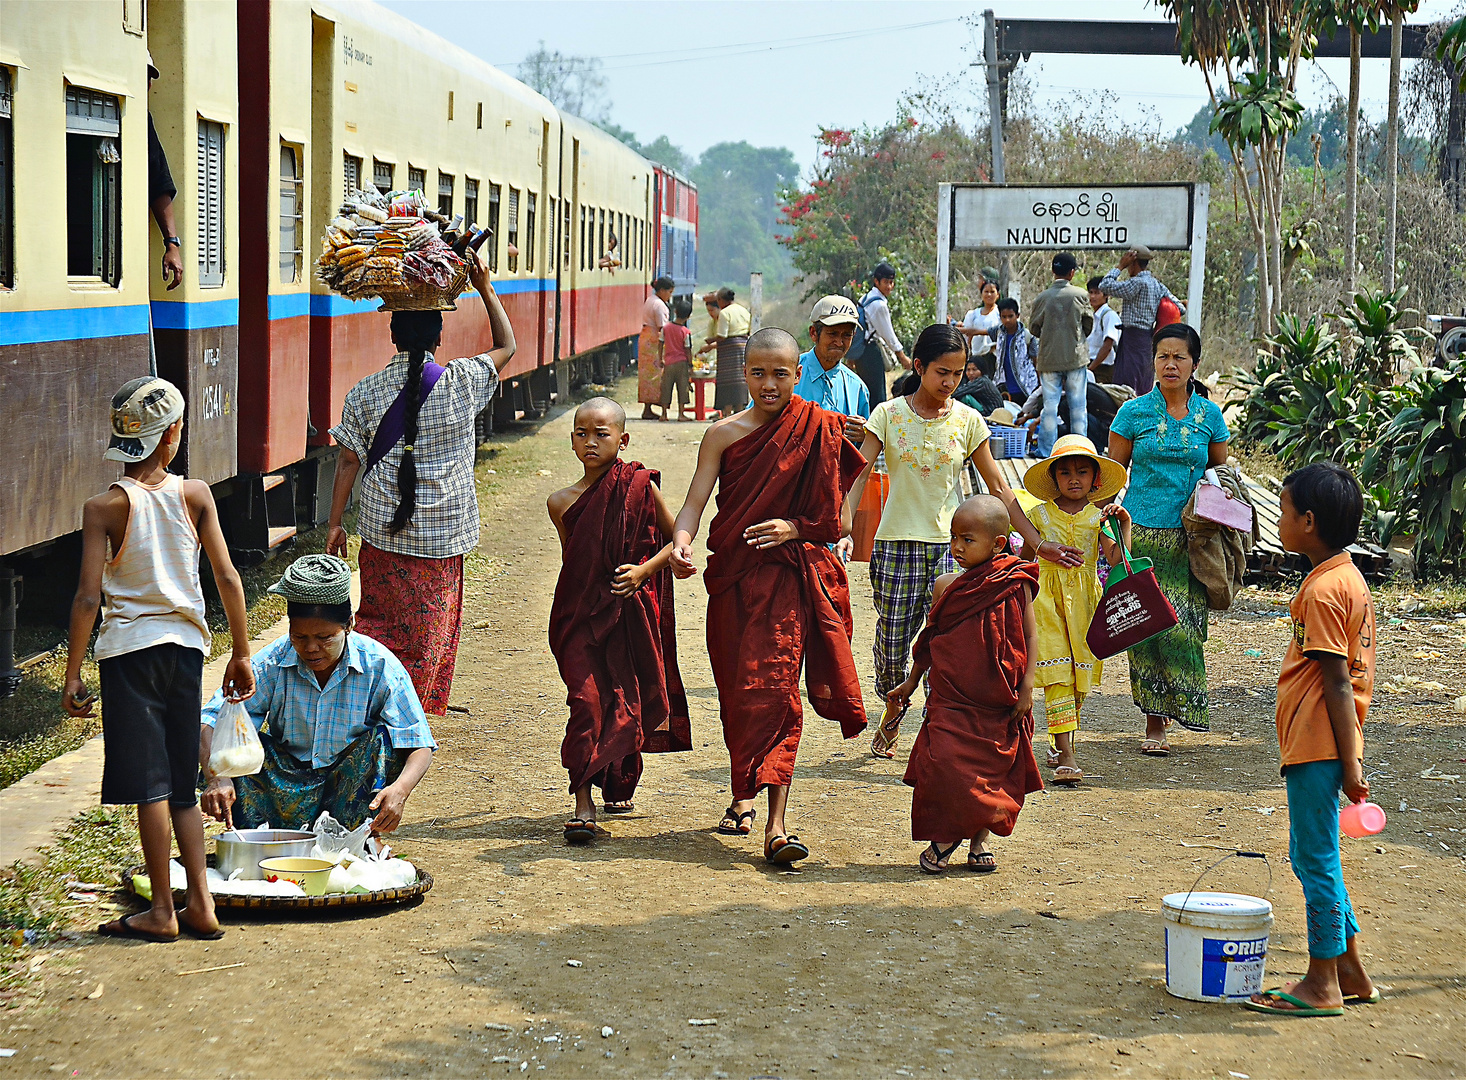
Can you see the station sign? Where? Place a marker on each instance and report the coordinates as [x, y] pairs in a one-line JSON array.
[[1098, 217]]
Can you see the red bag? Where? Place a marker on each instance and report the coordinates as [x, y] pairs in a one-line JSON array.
[[1133, 608], [1166, 313]]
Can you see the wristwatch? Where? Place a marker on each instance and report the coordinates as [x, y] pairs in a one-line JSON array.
[[174, 241]]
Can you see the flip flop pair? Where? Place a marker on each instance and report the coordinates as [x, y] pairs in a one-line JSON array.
[[123, 928], [783, 850], [883, 743], [1295, 1006], [737, 829]]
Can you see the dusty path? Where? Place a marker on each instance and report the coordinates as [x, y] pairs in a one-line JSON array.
[[854, 966]]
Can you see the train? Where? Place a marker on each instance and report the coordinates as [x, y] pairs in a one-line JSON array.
[[268, 112]]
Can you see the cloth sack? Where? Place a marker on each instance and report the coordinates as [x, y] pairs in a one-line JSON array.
[[1133, 608], [1218, 552]]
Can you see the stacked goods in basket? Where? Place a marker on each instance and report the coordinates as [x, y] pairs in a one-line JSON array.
[[395, 247]]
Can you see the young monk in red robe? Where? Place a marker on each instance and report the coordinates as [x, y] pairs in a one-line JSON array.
[[778, 598], [972, 764], [611, 623]]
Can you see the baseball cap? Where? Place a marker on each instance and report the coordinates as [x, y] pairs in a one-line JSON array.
[[834, 311], [141, 411]]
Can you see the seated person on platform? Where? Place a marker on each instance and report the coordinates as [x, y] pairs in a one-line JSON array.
[[1101, 407], [341, 725], [977, 387]]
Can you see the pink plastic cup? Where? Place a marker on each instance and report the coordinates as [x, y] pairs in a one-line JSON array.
[[1362, 819]]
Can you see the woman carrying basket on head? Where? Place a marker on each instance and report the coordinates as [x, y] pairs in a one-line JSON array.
[[1168, 438], [927, 438], [408, 430]]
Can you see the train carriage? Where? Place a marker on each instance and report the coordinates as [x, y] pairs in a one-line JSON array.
[[268, 112]]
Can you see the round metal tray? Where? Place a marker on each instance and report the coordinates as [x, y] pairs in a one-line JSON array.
[[379, 898]]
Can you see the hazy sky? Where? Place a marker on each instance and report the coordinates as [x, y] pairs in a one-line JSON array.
[[706, 71]]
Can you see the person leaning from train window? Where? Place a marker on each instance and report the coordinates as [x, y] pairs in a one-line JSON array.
[[161, 193], [730, 338], [654, 316], [409, 431]]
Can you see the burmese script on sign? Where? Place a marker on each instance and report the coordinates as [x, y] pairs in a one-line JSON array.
[[1084, 218]]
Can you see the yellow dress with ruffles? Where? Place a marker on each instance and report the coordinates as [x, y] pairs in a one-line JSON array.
[[1068, 597]]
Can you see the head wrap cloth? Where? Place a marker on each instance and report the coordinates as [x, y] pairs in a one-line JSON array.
[[316, 579]]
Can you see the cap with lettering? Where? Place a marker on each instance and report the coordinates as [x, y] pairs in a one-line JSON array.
[[834, 311], [141, 411]]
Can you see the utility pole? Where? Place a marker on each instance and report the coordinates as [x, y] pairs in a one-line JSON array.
[[995, 121]]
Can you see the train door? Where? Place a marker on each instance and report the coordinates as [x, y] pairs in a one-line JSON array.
[[546, 242], [579, 260]]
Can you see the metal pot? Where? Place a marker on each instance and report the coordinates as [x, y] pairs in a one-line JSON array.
[[243, 849]]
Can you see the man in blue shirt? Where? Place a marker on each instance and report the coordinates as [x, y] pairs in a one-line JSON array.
[[823, 379]]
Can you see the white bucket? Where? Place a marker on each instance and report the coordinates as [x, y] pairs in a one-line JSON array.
[[1216, 945]]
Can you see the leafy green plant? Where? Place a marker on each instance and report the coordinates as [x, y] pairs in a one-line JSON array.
[[1421, 454], [1328, 412], [1261, 107], [1381, 346], [1295, 345]]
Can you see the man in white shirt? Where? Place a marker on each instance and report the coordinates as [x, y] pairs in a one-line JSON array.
[[1105, 336], [877, 309]]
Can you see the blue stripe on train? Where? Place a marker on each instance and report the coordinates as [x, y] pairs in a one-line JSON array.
[[200, 315], [72, 324]]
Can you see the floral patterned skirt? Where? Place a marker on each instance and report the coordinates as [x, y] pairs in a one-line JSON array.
[[290, 794], [414, 606], [649, 367]]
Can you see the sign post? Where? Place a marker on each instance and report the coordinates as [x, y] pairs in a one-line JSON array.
[[1093, 217], [755, 301]]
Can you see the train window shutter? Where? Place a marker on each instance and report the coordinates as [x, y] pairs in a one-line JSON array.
[[529, 224], [417, 180], [382, 175], [292, 184], [352, 174], [7, 186], [493, 226], [445, 194], [210, 238], [512, 228]]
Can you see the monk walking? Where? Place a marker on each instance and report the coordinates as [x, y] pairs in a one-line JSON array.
[[611, 622], [778, 598]]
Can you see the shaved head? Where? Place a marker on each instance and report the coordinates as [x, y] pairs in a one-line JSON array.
[[603, 407], [986, 513], [773, 340]]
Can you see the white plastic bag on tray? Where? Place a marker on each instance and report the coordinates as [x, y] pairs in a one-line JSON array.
[[237, 750], [331, 836]]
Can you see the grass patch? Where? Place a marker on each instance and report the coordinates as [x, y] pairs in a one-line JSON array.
[[36, 909]]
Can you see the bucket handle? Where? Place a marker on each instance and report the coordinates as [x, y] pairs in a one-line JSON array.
[[1224, 858]]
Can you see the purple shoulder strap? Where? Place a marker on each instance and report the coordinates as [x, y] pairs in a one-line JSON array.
[[394, 420]]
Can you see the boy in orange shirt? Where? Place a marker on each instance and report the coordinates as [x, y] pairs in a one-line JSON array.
[[1324, 690]]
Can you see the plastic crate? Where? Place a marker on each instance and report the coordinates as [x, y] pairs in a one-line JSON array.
[[1009, 442]]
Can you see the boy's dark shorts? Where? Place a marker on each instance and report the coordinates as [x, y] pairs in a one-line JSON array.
[[150, 725]]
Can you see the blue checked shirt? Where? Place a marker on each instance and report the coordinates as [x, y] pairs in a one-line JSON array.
[[837, 390], [1140, 296], [313, 723]]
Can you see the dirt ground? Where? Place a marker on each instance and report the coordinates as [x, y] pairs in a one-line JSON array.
[[526, 951]]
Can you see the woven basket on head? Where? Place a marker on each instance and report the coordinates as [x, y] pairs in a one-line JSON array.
[[419, 296]]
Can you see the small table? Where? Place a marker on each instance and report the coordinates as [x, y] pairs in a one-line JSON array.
[[700, 385]]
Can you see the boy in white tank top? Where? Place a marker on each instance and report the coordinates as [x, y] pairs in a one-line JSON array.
[[140, 547]]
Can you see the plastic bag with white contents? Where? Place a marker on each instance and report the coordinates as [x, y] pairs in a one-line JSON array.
[[331, 836], [237, 750]]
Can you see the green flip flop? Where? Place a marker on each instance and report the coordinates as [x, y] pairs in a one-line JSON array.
[[1299, 1007], [1355, 999]]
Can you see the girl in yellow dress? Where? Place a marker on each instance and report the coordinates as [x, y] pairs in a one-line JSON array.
[[1071, 481]]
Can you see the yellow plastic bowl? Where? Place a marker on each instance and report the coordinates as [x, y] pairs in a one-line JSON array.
[[309, 874]]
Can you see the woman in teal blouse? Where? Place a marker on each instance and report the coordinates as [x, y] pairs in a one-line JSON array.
[[1167, 439]]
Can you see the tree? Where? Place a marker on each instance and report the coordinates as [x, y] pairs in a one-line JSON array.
[[574, 83], [1256, 45], [1397, 12], [738, 188]]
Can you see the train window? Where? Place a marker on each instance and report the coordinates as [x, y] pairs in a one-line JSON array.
[[353, 174], [417, 179], [93, 185], [382, 175], [565, 231], [445, 194], [529, 215], [493, 226], [210, 238], [134, 17], [480, 115], [292, 234], [512, 229], [582, 238], [7, 187], [601, 235], [450, 104], [470, 201]]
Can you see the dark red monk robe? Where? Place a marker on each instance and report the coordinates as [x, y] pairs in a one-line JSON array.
[[972, 764], [617, 655], [771, 610]]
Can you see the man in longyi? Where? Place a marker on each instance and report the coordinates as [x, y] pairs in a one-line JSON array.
[[778, 597]]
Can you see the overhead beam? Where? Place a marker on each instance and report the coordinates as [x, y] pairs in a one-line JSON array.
[[1093, 37]]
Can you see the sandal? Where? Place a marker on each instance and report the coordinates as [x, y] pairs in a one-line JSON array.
[[1068, 776], [626, 807], [982, 862], [1155, 748], [1295, 1007], [934, 860], [123, 928], [782, 850], [1053, 761], [186, 927], [883, 744], [737, 828], [581, 830]]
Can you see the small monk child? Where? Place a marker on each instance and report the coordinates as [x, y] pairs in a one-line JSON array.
[[972, 763], [778, 598], [611, 622]]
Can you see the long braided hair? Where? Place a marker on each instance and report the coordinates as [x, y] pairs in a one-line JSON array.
[[415, 332]]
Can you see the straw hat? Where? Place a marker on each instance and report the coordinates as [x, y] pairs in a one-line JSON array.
[[1003, 416], [1040, 481]]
